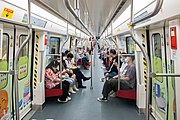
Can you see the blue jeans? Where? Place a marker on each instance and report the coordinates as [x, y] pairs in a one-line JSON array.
[[111, 75]]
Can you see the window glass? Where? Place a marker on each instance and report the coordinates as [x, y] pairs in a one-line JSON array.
[[4, 61], [130, 45], [157, 55], [23, 58]]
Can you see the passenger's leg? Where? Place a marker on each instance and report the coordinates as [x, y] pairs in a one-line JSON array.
[[84, 63], [65, 87], [114, 84], [106, 89]]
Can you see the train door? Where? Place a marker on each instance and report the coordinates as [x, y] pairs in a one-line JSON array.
[[24, 71], [159, 84], [6, 40]]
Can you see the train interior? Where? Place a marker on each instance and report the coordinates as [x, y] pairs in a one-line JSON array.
[[78, 37]]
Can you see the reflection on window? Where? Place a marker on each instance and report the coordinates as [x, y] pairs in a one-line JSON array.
[[4, 61], [24, 52], [130, 45], [157, 45], [157, 55], [54, 45], [23, 58], [5, 46]]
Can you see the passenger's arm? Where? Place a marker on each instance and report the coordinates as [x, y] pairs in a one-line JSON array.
[[125, 78], [130, 73], [67, 64]]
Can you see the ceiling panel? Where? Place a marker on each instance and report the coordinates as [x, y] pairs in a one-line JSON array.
[[99, 12]]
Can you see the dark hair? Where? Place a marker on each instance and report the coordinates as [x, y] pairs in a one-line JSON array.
[[133, 58], [53, 64], [124, 54], [70, 55], [113, 51], [66, 52]]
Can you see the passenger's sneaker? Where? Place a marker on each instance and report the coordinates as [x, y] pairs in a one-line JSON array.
[[75, 88], [113, 95], [111, 92], [103, 67], [102, 99], [68, 98], [62, 101], [71, 90]]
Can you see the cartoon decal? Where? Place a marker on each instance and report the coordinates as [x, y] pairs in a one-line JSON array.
[[4, 105]]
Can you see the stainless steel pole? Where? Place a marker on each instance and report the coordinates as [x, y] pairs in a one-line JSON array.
[[133, 23], [15, 82]]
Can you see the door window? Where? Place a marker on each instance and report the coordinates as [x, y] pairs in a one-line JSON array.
[[4, 61], [23, 58], [53, 47], [157, 53], [130, 45]]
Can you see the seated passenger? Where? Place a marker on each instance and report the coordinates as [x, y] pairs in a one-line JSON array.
[[122, 72], [112, 69], [68, 74], [127, 81], [85, 61], [52, 80], [123, 65], [76, 71]]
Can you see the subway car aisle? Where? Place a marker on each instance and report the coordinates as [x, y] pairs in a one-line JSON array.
[[84, 104]]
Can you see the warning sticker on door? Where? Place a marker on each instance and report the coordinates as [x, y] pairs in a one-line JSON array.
[[7, 13]]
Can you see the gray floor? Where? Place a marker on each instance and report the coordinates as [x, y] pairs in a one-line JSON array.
[[84, 104]]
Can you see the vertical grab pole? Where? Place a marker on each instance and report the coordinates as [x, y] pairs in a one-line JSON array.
[[94, 55], [15, 81], [117, 45], [61, 59], [148, 72], [133, 23], [108, 51], [118, 61], [91, 64]]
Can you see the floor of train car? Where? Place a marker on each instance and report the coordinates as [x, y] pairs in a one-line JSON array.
[[84, 104]]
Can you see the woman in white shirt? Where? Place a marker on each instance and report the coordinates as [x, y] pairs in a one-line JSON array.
[[76, 71]]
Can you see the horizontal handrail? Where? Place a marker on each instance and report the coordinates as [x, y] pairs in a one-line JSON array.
[[6, 72], [164, 75], [53, 54]]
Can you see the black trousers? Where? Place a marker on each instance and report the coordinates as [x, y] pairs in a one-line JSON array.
[[79, 76], [65, 88], [84, 62], [112, 84]]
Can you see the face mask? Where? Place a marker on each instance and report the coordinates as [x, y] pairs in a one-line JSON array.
[[122, 60], [126, 60]]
